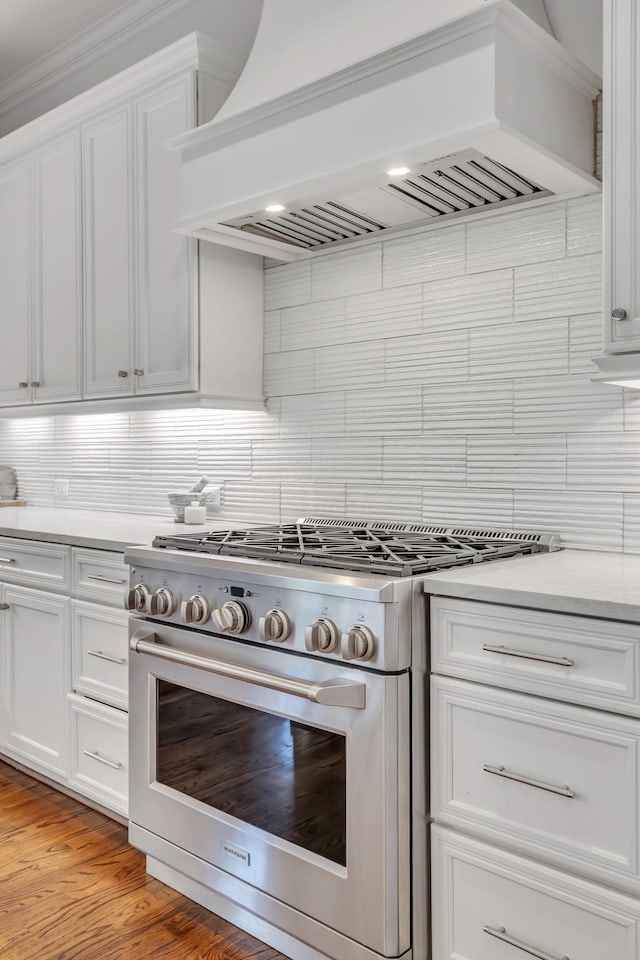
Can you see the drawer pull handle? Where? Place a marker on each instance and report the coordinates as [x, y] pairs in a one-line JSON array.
[[7, 560], [523, 655], [539, 784], [501, 934], [96, 576], [105, 656], [107, 763]]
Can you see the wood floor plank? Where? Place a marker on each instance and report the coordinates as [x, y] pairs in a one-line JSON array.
[[71, 888]]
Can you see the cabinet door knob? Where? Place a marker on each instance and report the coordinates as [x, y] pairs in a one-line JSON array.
[[138, 373], [123, 373], [23, 384], [35, 383], [4, 606], [618, 313]]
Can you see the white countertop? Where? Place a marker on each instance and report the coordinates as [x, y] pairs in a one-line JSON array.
[[93, 528], [584, 582]]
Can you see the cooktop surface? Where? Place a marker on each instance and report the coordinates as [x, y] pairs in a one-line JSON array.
[[384, 547]]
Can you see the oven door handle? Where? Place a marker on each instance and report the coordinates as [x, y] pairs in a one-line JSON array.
[[330, 693]]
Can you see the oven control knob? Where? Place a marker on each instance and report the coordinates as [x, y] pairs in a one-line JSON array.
[[321, 635], [196, 609], [138, 598], [275, 625], [162, 603], [358, 643], [232, 617]]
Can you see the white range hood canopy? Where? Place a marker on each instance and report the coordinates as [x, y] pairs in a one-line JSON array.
[[480, 103]]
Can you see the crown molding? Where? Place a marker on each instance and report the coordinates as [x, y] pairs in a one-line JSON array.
[[96, 41], [194, 51]]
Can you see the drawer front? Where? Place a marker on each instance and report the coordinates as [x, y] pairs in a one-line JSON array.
[[100, 576], [99, 753], [557, 781], [579, 659], [100, 653], [488, 904], [36, 564]]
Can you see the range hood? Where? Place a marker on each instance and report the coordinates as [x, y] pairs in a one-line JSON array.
[[472, 113]]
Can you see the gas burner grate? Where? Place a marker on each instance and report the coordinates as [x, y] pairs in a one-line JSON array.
[[377, 547]]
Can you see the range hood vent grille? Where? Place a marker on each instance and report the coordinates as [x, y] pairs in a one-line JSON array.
[[460, 183]]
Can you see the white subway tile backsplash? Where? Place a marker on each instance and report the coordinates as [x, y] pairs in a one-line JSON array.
[[288, 373], [468, 506], [584, 520], [631, 541], [400, 384], [354, 270], [384, 412], [243, 423], [604, 461], [272, 331], [311, 499], [313, 325], [353, 366], [510, 351], [585, 343], [280, 459], [422, 257], [515, 237], [224, 460], [517, 461], [468, 407], [566, 405], [385, 502], [584, 225], [313, 415], [482, 298], [385, 313], [350, 460], [252, 501], [562, 289], [425, 460], [287, 285], [430, 358]]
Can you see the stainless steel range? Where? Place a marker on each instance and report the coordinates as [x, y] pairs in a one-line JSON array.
[[278, 725]]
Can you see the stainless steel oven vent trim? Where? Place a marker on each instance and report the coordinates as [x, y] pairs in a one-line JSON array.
[[459, 183], [546, 541]]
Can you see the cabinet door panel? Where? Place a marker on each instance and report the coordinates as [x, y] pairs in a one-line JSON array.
[[109, 273], [621, 156], [166, 261], [58, 290], [36, 676], [15, 279]]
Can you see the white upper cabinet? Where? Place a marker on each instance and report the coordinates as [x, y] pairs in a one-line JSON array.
[[166, 261], [15, 283], [102, 302], [57, 327], [109, 269], [621, 166]]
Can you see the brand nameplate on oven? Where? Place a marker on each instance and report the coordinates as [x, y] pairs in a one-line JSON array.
[[236, 852]]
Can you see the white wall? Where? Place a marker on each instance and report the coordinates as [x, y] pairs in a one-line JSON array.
[[443, 376]]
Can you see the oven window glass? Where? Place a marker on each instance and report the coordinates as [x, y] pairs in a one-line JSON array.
[[282, 776]]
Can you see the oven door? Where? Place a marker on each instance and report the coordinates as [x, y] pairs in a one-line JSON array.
[[288, 772]]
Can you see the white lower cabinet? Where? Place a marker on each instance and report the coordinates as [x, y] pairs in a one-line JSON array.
[[63, 664], [35, 676], [553, 780], [100, 653], [535, 844], [488, 904], [98, 765]]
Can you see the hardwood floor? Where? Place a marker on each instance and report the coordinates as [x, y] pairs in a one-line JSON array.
[[71, 888]]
